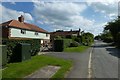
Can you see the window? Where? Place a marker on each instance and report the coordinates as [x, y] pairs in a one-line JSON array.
[[46, 35], [36, 33], [23, 31]]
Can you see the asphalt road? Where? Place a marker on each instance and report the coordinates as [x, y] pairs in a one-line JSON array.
[[80, 63], [104, 61]]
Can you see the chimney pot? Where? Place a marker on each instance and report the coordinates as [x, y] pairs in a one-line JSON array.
[[21, 18], [79, 29]]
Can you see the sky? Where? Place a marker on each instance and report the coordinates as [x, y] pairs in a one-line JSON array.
[[55, 15]]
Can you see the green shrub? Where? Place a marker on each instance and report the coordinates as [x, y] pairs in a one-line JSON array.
[[118, 39], [35, 46], [108, 39], [67, 42], [69, 37], [59, 45], [74, 44], [87, 39]]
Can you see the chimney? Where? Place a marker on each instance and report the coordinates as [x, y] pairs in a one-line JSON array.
[[79, 29], [71, 30], [21, 18]]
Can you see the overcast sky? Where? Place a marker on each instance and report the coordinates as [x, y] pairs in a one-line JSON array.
[[53, 15]]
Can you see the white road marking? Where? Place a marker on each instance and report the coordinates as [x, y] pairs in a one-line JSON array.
[[90, 65]]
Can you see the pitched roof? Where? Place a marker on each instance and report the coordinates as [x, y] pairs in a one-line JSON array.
[[23, 25], [65, 32]]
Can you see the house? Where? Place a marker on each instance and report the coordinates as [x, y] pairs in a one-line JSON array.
[[18, 29], [64, 34]]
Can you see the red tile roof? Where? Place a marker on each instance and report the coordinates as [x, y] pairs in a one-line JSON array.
[[65, 32], [23, 25]]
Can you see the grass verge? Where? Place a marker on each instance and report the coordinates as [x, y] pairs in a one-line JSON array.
[[76, 49], [22, 69]]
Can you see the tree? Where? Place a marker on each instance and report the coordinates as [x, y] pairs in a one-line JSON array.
[[114, 28], [87, 38]]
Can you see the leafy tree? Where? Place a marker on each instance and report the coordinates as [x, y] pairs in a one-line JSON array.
[[114, 28], [87, 38]]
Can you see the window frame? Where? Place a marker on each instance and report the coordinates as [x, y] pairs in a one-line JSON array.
[[36, 33], [23, 31]]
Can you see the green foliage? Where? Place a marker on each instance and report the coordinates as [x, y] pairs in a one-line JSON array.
[[118, 39], [67, 42], [11, 44], [87, 39], [74, 38], [58, 38], [69, 37], [106, 36], [59, 45], [114, 28], [111, 32], [98, 37], [74, 44]]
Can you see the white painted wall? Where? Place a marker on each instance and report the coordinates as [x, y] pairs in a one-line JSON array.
[[29, 34]]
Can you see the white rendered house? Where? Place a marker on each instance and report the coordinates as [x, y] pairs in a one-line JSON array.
[[18, 29]]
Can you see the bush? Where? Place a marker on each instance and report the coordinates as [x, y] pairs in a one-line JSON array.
[[74, 44], [69, 37], [87, 39], [67, 42], [11, 44], [118, 39], [59, 45], [108, 39]]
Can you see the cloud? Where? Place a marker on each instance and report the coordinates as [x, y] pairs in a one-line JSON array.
[[109, 9], [8, 14], [61, 15], [13, 3], [67, 16]]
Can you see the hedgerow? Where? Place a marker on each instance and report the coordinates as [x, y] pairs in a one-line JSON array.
[[11, 44]]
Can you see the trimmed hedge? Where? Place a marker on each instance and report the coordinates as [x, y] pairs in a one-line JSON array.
[[11, 44], [59, 45]]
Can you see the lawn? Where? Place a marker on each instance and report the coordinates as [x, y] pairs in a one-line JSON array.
[[22, 69], [76, 49]]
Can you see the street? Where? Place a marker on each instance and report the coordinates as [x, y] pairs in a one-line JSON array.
[[104, 61]]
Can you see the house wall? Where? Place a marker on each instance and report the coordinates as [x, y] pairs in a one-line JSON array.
[[29, 34], [5, 32]]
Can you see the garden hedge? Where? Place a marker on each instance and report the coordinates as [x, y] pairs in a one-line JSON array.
[[59, 45], [11, 44]]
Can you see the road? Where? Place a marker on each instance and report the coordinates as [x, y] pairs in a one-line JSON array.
[[80, 63], [104, 61]]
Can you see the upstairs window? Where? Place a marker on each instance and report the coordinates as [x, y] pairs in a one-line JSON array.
[[46, 35], [23, 31], [36, 33]]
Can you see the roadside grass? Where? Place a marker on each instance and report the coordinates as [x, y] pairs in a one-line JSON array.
[[22, 69], [76, 49]]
